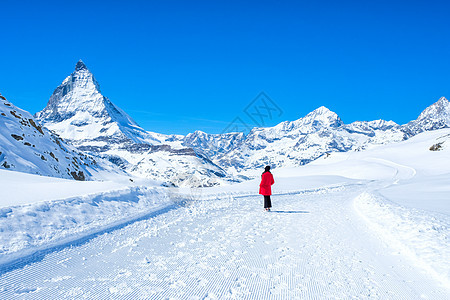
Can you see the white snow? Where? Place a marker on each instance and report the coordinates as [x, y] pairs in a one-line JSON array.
[[20, 188], [38, 211]]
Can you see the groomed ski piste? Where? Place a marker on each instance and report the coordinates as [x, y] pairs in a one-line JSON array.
[[357, 225]]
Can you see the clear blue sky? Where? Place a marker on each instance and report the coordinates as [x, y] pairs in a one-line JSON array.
[[178, 66]]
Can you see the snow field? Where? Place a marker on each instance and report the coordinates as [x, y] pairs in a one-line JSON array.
[[28, 228], [421, 236], [20, 188], [313, 245]]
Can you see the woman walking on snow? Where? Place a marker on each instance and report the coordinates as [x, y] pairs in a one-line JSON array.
[[265, 187]]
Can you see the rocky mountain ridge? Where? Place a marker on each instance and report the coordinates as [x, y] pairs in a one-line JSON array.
[[27, 147]]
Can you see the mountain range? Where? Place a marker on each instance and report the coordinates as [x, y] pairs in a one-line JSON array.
[[78, 113]]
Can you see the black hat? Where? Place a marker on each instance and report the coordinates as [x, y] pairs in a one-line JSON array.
[[267, 169]]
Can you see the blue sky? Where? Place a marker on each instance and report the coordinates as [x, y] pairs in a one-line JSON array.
[[178, 66]]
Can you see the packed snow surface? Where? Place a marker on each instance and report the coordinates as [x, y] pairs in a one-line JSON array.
[[372, 224]]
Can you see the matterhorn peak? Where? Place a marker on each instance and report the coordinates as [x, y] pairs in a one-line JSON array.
[[78, 111], [80, 66]]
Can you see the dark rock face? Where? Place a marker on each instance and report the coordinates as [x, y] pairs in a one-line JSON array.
[[80, 66], [38, 128], [436, 147], [17, 137], [78, 176]]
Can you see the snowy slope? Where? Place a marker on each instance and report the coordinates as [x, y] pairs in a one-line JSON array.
[[78, 112], [27, 147], [407, 203]]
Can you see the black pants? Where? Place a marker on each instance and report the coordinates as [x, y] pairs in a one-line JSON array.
[[267, 202]]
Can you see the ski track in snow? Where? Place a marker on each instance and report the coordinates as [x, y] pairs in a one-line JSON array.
[[313, 245]]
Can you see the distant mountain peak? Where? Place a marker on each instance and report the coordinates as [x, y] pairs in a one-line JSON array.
[[322, 110], [435, 116], [80, 66], [441, 108], [442, 104], [324, 116]]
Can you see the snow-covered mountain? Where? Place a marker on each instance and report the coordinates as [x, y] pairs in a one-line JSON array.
[[436, 116], [78, 112], [212, 145], [27, 147]]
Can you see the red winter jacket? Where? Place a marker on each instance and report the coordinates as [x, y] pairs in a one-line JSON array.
[[265, 185]]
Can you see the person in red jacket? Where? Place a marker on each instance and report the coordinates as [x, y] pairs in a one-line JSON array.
[[265, 187]]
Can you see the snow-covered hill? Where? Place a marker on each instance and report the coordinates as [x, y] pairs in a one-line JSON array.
[[27, 147], [78, 112]]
